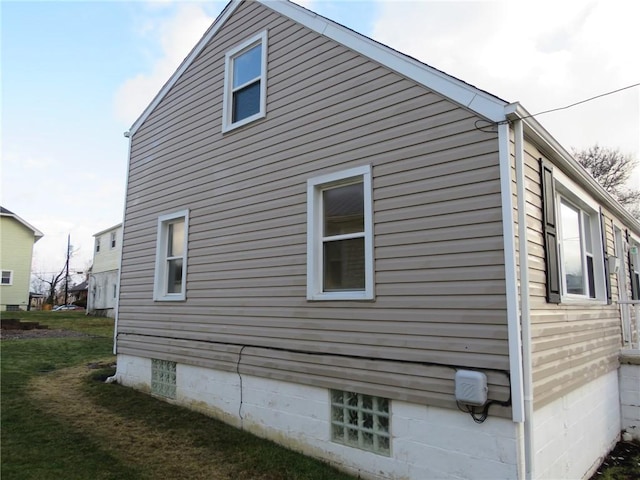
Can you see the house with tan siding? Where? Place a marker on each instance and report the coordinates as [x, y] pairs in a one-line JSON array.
[[333, 245]]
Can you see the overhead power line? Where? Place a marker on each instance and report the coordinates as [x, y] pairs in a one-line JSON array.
[[580, 102]]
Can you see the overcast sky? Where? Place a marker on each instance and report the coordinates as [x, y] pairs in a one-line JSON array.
[[76, 75]]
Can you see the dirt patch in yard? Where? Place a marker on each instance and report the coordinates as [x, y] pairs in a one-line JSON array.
[[161, 454], [6, 334]]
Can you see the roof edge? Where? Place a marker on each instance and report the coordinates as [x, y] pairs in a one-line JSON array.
[[195, 51], [36, 233], [108, 229], [515, 111], [466, 95]]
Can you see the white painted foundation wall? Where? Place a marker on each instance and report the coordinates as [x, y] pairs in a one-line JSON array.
[[427, 442], [573, 434], [630, 392]]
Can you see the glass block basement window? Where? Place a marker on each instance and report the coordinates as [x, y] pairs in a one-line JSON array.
[[163, 378], [360, 421]]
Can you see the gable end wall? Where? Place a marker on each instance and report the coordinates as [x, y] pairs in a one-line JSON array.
[[439, 266]]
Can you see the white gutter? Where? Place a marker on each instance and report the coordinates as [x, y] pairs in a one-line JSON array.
[[525, 311], [563, 159]]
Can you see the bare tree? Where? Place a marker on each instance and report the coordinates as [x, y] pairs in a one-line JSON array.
[[612, 169], [49, 283]]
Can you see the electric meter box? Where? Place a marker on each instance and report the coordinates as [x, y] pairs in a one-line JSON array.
[[471, 387]]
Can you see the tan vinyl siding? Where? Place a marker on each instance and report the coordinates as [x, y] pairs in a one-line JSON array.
[[572, 343], [439, 267]]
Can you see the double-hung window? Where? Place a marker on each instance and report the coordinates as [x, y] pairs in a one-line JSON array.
[[7, 277], [245, 83], [339, 236], [577, 253], [113, 240], [98, 245], [171, 256]]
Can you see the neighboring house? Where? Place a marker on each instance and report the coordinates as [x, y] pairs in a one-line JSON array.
[[322, 241], [17, 238], [103, 279], [78, 294], [36, 301]]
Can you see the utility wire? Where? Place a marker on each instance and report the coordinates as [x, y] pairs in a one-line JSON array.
[[577, 103]]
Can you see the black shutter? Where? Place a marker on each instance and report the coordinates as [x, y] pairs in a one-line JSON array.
[[632, 269], [605, 256], [549, 230]]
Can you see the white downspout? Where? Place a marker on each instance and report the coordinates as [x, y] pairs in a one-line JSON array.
[[525, 312], [117, 309], [511, 285]]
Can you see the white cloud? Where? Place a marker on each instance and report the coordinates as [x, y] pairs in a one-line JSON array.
[[545, 55], [175, 36]]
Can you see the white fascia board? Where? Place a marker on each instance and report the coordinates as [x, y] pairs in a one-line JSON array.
[[36, 233], [209, 34], [564, 160], [480, 102]]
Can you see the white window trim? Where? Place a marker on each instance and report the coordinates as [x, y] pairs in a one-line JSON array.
[[227, 103], [314, 235], [160, 282], [576, 197], [10, 278], [113, 240]]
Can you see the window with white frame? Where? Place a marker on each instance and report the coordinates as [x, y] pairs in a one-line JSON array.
[[98, 245], [113, 240], [573, 240], [340, 236], [245, 83], [171, 256], [7, 277], [578, 276], [361, 421]]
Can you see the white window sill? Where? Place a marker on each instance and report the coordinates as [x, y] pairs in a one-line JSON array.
[[360, 295], [579, 300], [170, 298], [228, 128]]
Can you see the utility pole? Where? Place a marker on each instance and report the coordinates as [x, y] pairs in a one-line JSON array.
[[66, 278]]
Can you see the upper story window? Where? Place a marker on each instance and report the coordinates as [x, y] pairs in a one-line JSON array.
[[340, 236], [245, 83], [7, 277], [113, 239], [98, 245], [171, 256]]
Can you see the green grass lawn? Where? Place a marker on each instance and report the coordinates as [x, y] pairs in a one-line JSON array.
[[61, 421]]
